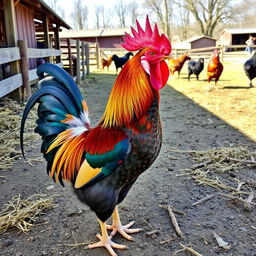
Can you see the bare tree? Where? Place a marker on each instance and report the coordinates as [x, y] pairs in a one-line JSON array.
[[56, 7], [209, 13], [97, 11], [52, 4], [134, 11], [121, 9], [182, 22], [102, 16], [163, 10], [79, 15], [246, 16]]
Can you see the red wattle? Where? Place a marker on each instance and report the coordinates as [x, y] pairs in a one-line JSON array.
[[159, 74]]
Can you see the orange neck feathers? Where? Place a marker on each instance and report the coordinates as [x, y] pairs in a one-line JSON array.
[[131, 96]]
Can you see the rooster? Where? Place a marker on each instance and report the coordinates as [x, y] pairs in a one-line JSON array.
[[195, 67], [177, 64], [103, 162], [106, 62], [214, 69], [120, 61], [250, 69]]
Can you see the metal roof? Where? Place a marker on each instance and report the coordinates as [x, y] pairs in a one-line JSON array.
[[61, 21], [104, 32], [240, 30], [194, 38]]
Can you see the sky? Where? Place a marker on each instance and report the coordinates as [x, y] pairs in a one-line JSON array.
[[67, 5]]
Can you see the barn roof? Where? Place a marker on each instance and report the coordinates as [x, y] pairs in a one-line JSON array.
[[104, 32], [41, 9], [240, 30], [195, 38], [55, 17]]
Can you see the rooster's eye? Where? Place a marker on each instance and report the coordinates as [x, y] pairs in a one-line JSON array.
[[151, 53]]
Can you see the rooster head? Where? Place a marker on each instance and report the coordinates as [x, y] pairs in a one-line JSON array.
[[156, 49]]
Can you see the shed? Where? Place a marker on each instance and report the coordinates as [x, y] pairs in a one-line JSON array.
[[106, 37], [201, 42], [195, 43], [236, 36]]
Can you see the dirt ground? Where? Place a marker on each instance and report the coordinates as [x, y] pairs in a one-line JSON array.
[[186, 126]]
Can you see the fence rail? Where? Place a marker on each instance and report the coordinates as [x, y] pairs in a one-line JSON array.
[[227, 52], [21, 75]]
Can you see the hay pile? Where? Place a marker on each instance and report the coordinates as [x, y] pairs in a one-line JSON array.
[[211, 164], [21, 214], [10, 118]]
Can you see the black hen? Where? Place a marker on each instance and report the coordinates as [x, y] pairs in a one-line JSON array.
[[250, 68], [195, 68], [120, 61]]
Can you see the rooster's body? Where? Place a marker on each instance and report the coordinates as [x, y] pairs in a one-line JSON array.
[[214, 68], [106, 62], [120, 61], [103, 162]]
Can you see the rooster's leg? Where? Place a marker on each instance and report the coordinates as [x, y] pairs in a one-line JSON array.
[[123, 230], [105, 241]]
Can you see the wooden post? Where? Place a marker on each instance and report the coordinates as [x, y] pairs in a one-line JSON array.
[[176, 54], [11, 36], [83, 60], [24, 68], [87, 54], [98, 55], [222, 53], [46, 36], [78, 66], [70, 58], [57, 42]]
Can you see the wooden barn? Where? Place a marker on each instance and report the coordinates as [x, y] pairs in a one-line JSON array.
[[195, 43], [201, 42], [236, 36], [106, 38], [28, 28]]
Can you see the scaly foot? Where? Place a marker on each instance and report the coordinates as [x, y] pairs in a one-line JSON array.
[[123, 230], [108, 244], [105, 241]]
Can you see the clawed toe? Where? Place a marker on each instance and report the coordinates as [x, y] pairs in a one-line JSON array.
[[123, 230]]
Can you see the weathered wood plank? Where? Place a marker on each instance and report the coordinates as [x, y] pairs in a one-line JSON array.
[[13, 54], [24, 68], [42, 53], [9, 54], [10, 84]]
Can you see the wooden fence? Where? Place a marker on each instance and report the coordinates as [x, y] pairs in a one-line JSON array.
[[22, 77], [76, 55], [228, 53]]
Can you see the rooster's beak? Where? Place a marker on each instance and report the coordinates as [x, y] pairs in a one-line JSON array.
[[167, 57]]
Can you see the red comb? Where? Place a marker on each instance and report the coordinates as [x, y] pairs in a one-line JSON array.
[[147, 38]]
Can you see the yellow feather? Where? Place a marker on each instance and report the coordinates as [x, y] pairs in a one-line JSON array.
[[85, 174]]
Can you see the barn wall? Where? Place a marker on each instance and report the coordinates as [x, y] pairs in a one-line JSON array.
[[226, 38], [3, 41], [25, 25], [203, 42], [105, 42], [110, 42], [26, 28]]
